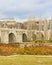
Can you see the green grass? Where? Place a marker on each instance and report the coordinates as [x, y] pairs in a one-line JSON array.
[[26, 60]]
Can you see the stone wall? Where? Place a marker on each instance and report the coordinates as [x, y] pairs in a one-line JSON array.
[[27, 31]]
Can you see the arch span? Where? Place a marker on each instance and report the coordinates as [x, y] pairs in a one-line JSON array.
[[34, 37], [40, 35], [24, 37], [12, 38]]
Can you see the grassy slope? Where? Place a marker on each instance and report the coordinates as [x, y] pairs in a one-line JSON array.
[[25, 60]]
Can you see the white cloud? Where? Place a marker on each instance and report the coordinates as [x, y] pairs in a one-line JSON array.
[[24, 8]]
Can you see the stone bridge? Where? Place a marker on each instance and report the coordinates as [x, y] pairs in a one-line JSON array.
[[8, 35], [12, 31]]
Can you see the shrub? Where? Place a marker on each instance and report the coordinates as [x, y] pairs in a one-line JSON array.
[[50, 40], [39, 41], [35, 49]]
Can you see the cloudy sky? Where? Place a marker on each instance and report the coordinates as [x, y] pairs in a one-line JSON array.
[[23, 9]]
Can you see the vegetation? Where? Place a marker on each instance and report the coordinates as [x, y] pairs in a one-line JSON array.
[[39, 41], [24, 49], [26, 60], [43, 41], [37, 47], [50, 40]]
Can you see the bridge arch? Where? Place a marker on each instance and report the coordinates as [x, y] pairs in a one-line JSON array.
[[40, 35], [34, 36], [12, 38], [24, 37]]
